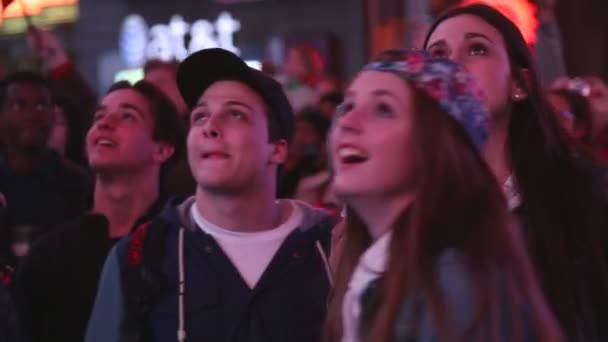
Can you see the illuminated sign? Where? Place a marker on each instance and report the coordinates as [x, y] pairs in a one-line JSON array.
[[42, 13], [130, 75], [138, 43]]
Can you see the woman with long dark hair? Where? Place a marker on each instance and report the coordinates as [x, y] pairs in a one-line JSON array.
[[558, 195], [429, 252]]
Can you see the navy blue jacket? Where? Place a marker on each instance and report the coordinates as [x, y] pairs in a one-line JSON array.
[[287, 304], [9, 325]]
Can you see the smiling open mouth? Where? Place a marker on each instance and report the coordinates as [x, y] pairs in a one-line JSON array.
[[351, 155]]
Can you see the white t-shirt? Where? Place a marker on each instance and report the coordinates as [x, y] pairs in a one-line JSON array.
[[250, 253]]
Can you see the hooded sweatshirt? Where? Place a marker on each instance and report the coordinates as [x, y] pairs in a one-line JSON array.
[[287, 303]]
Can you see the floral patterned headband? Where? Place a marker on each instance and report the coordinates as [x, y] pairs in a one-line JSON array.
[[446, 82]]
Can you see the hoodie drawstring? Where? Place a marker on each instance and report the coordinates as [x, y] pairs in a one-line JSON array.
[[330, 276], [181, 329]]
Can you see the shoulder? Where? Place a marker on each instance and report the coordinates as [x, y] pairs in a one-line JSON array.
[[454, 285], [145, 242], [312, 216]]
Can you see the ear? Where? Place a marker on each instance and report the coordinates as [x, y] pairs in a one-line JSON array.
[[518, 90], [164, 151], [279, 152]]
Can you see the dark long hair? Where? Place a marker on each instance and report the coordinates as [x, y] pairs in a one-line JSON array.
[[459, 206], [564, 202]]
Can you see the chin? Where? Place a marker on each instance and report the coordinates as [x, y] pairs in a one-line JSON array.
[[102, 166], [223, 188], [345, 191]]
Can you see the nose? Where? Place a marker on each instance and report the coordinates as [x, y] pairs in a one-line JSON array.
[[211, 128], [350, 121], [108, 121]]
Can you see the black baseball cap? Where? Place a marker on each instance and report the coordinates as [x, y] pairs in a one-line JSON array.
[[205, 67]]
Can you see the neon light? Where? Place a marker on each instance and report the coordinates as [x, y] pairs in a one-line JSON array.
[[33, 7], [521, 12], [137, 43]]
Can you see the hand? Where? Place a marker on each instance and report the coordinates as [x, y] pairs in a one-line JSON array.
[[47, 47], [598, 96], [598, 101]]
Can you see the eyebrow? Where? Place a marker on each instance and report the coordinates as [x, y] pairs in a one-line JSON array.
[[467, 36], [228, 103], [134, 108], [377, 92], [386, 92], [238, 103], [123, 106], [471, 35], [440, 42]]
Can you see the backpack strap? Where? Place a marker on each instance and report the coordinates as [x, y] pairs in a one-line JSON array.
[[142, 279]]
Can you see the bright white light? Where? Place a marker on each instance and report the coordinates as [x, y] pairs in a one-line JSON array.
[[166, 42], [130, 75], [254, 64]]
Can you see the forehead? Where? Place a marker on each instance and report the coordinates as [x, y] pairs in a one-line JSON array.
[[26, 90], [457, 27], [368, 82], [127, 97], [233, 91]]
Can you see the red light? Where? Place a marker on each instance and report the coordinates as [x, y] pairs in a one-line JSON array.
[[521, 12]]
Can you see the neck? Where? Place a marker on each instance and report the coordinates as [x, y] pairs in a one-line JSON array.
[[245, 212], [124, 198], [496, 153], [20, 159], [379, 214]]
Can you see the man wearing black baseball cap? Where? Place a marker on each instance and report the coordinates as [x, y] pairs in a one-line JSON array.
[[231, 263]]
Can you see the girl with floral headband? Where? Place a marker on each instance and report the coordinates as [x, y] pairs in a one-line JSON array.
[[429, 252]]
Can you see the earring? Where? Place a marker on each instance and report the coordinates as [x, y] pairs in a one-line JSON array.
[[517, 96]]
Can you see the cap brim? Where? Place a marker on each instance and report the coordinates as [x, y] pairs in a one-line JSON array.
[[203, 68]]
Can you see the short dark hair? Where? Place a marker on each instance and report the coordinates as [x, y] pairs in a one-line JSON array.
[[167, 125], [315, 117], [27, 77], [334, 97]]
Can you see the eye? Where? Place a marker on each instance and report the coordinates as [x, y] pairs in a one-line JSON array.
[[478, 49], [129, 116], [198, 116], [98, 116], [236, 114], [438, 51], [16, 106], [385, 110], [343, 108], [42, 107]]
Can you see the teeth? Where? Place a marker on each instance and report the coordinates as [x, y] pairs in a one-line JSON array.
[[105, 142], [350, 152]]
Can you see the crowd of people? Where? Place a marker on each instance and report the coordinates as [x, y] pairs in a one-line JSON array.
[[447, 193]]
